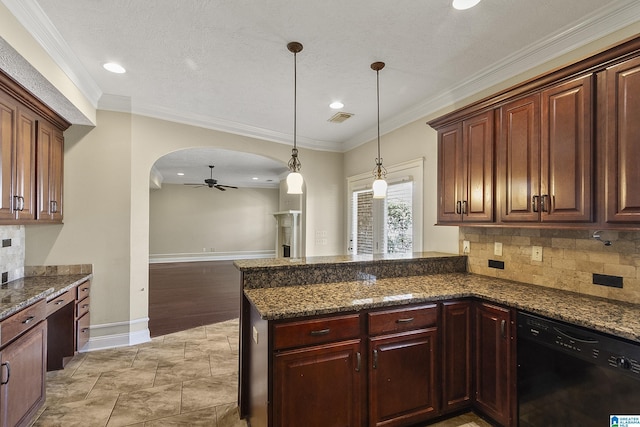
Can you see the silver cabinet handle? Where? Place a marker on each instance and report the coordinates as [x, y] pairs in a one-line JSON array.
[[375, 359], [28, 320], [60, 301], [358, 361], [320, 332], [405, 320], [503, 324]]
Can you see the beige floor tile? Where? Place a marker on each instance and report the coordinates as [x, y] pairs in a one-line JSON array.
[[83, 413], [123, 381], [217, 344], [146, 405], [202, 418], [191, 334], [206, 392], [227, 416], [162, 351], [222, 364], [62, 389], [176, 371]]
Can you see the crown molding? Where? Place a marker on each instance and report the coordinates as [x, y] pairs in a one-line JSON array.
[[36, 22], [600, 24]]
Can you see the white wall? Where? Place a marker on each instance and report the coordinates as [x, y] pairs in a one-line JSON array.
[[186, 220]]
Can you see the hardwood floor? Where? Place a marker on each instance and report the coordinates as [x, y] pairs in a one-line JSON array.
[[190, 294]]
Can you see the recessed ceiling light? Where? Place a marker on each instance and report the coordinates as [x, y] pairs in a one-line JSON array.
[[114, 68], [180, 173], [336, 105], [255, 178], [464, 4]]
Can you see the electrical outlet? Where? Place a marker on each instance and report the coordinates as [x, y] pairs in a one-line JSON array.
[[466, 247], [536, 253], [497, 249]]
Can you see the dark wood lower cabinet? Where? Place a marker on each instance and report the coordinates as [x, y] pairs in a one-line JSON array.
[[319, 386], [456, 355], [391, 367], [494, 363], [22, 389], [402, 378]]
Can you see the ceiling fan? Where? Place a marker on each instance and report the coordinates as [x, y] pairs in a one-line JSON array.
[[213, 183]]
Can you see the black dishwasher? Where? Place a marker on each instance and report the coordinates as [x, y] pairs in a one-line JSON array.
[[571, 376]]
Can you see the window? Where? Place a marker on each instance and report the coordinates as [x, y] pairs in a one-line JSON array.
[[390, 225]]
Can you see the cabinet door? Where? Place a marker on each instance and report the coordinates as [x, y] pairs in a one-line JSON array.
[[50, 151], [25, 168], [456, 355], [318, 386], [477, 154], [622, 146], [23, 376], [7, 139], [493, 367], [402, 383], [518, 176], [566, 158], [450, 173]]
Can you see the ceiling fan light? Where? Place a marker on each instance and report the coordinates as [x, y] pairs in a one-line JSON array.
[[294, 183], [379, 188], [464, 4]]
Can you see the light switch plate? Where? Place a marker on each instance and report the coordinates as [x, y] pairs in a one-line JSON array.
[[536, 253], [466, 247], [497, 249]]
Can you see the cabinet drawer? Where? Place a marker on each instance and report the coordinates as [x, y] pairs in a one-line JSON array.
[[317, 331], [82, 337], [60, 301], [22, 321], [82, 307], [83, 290], [402, 319]]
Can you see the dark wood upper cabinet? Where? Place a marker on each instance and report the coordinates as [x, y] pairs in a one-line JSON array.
[[49, 160], [622, 142], [465, 170], [567, 167], [545, 155], [518, 164]]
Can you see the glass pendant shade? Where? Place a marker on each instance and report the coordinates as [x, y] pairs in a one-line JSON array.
[[294, 183], [379, 188]]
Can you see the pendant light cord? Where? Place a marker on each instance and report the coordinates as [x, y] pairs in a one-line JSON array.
[[379, 171], [294, 162]]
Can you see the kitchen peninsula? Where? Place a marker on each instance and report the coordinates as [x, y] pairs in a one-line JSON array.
[[345, 331]]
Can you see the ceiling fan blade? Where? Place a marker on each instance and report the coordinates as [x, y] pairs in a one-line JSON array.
[[227, 186], [195, 185], [219, 188]]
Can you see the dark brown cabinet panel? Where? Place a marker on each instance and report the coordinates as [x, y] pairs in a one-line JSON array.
[[465, 170], [318, 386], [23, 368], [49, 160], [494, 364], [402, 378], [566, 175], [622, 145], [518, 165], [7, 138], [456, 355]]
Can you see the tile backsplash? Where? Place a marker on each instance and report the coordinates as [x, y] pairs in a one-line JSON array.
[[12, 257], [569, 258]]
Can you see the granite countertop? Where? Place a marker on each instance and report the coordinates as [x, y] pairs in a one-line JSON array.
[[20, 293], [270, 263], [616, 318]]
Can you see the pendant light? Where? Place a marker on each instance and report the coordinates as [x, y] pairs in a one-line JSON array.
[[379, 172], [294, 179]]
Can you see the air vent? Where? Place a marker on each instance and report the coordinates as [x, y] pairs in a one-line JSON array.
[[340, 117]]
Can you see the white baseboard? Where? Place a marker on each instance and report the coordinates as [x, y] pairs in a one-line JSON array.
[[210, 256], [117, 334]]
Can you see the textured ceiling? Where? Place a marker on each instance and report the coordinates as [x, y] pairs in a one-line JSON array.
[[223, 64]]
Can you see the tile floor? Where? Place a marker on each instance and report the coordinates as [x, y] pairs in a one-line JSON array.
[[187, 378]]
